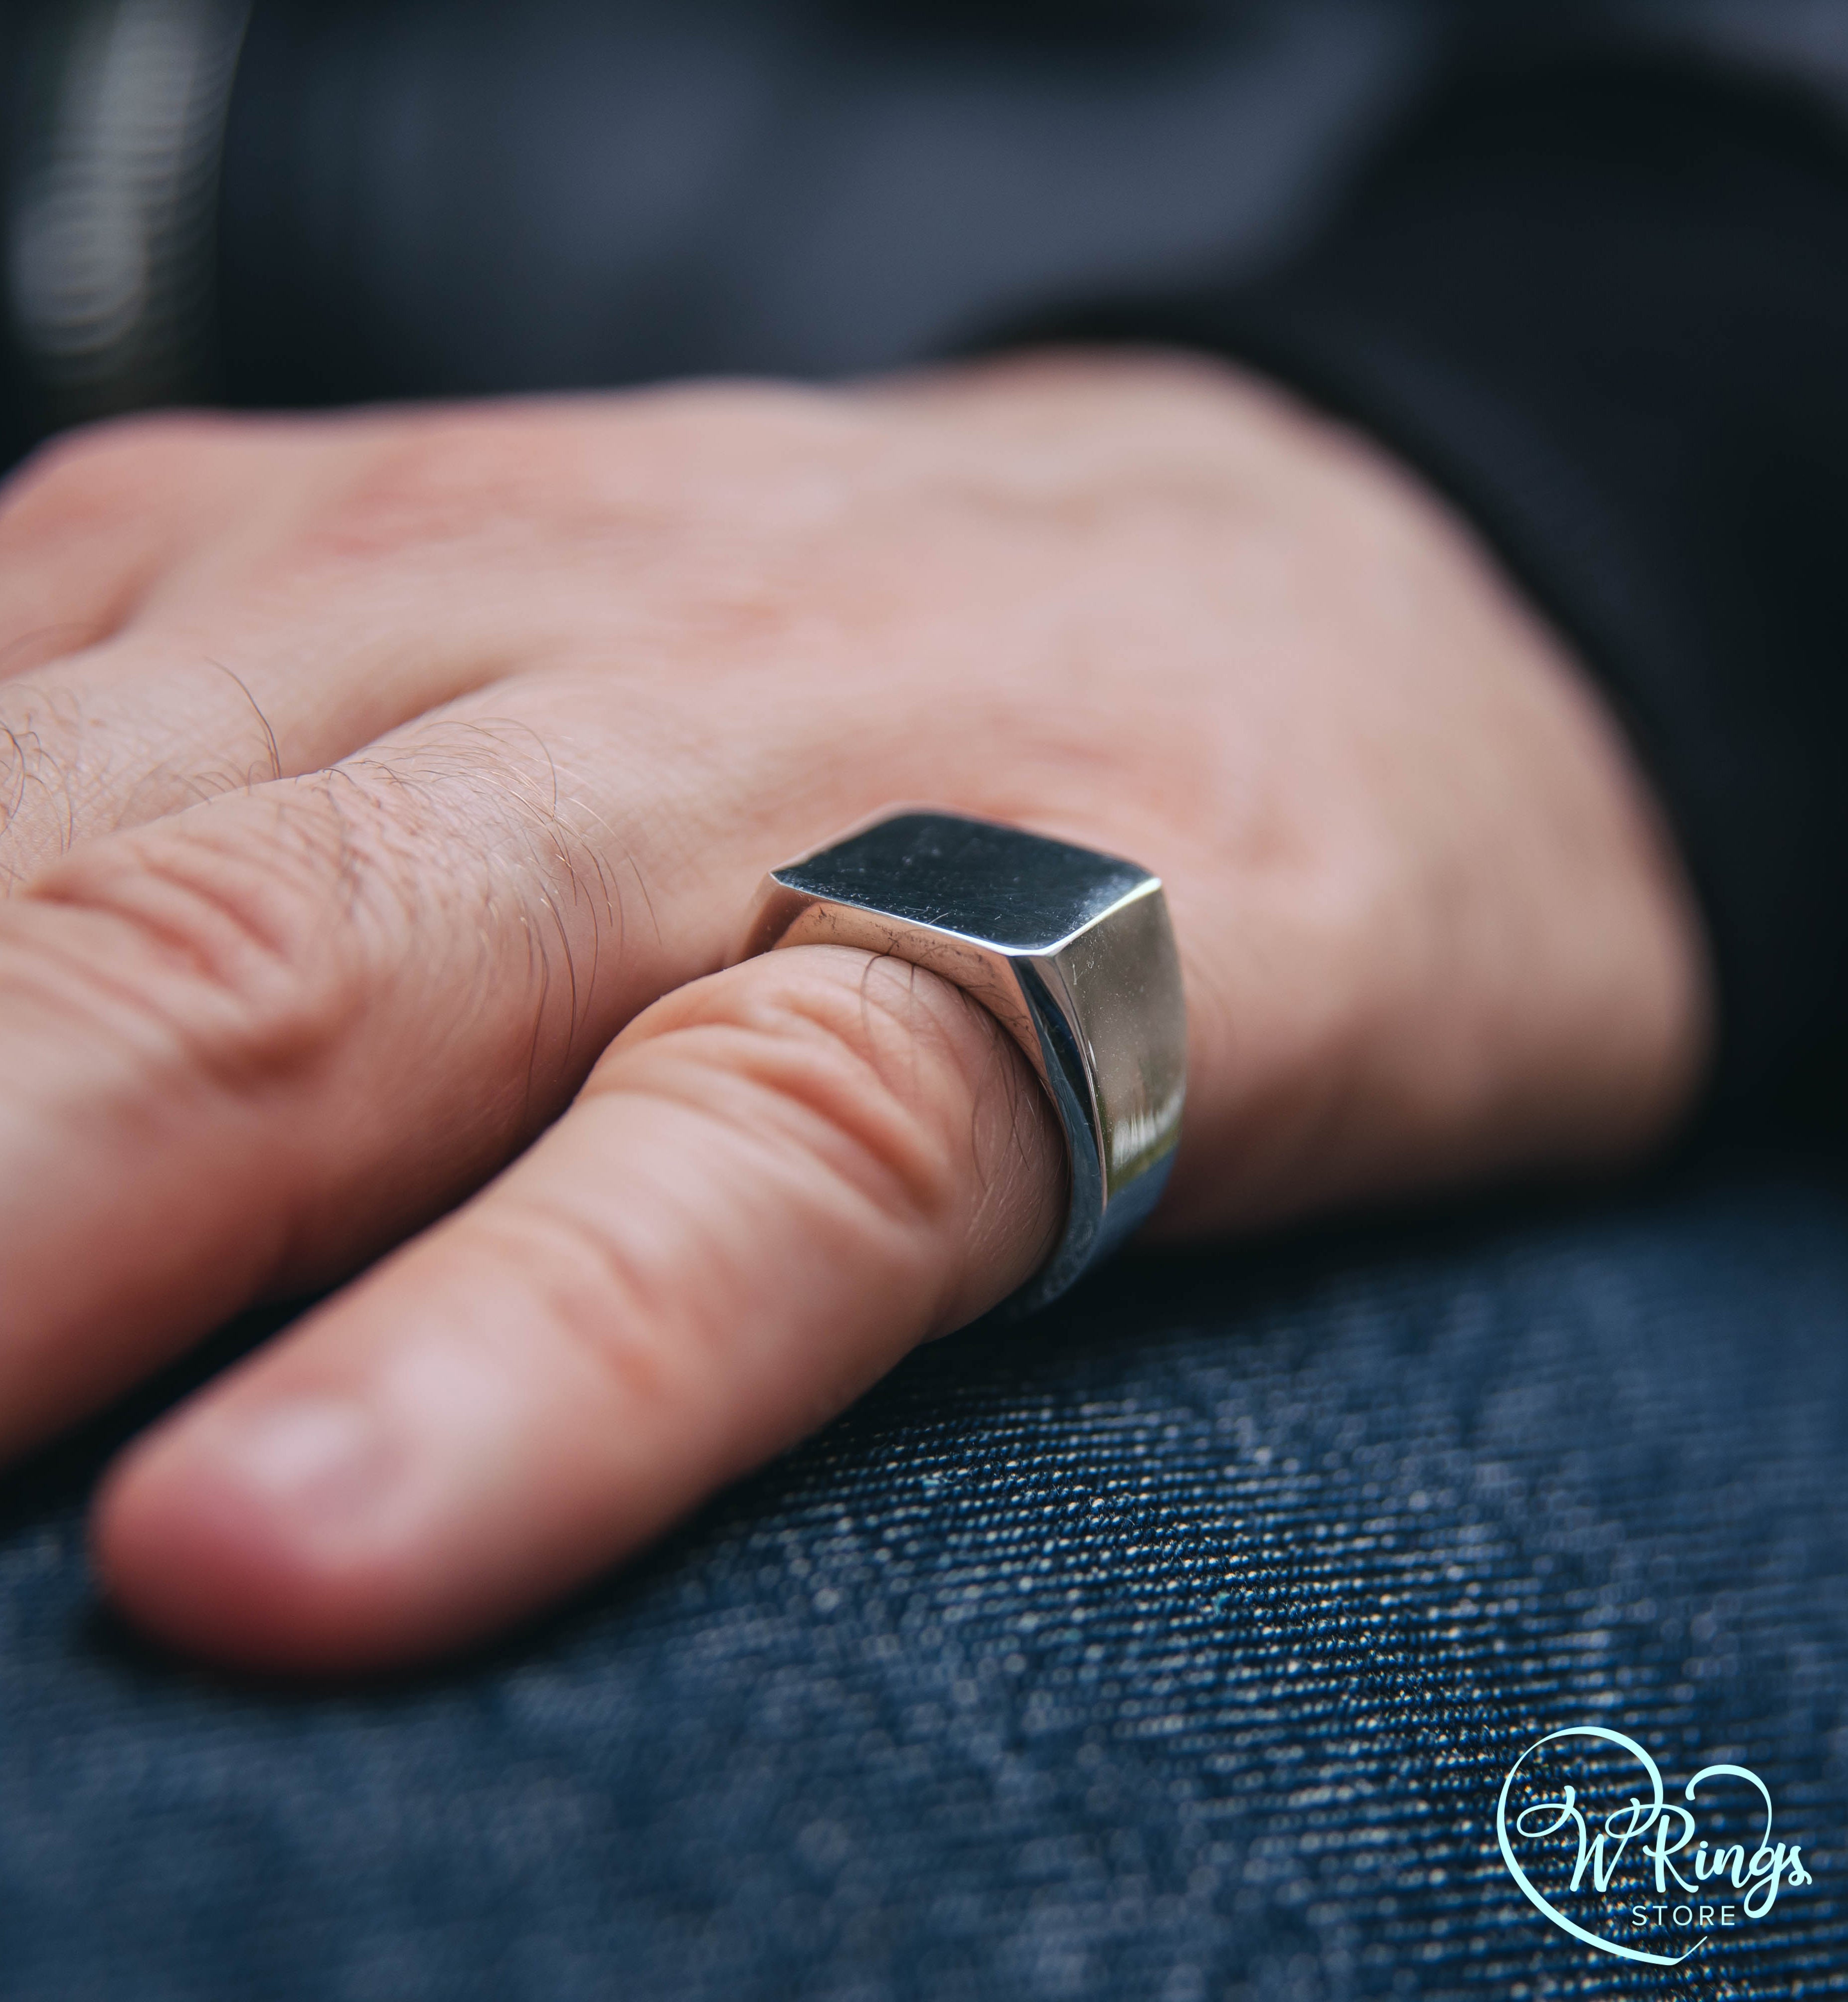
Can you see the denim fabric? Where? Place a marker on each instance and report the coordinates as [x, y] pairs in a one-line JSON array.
[[1173, 1646]]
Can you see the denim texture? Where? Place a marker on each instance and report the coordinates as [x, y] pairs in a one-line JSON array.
[[1173, 1645]]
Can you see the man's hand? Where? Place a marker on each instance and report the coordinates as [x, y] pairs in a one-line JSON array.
[[378, 789]]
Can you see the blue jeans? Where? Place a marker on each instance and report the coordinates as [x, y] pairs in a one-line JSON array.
[[1175, 1645]]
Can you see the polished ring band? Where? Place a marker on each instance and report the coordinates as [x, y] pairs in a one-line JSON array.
[[1071, 950]]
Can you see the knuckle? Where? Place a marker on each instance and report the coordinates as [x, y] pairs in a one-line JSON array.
[[551, 476], [441, 480], [839, 1106], [49, 772], [207, 948], [872, 1068], [738, 417], [105, 473], [875, 1065], [827, 1104]]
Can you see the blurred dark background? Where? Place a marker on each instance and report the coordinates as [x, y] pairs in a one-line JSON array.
[[314, 201]]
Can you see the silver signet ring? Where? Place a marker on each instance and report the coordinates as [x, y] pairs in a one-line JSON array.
[[1072, 951]]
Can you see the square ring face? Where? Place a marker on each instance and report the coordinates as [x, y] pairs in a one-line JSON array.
[[1014, 892]]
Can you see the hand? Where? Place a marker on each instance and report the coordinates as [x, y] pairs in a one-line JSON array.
[[383, 792]]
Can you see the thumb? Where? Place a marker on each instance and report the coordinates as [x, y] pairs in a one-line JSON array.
[[777, 1180]]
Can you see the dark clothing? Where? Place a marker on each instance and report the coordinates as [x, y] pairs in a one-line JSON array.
[[1173, 1646]]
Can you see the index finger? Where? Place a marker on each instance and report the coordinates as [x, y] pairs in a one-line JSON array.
[[777, 1180]]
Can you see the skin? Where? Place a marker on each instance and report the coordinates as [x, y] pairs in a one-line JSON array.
[[383, 797]]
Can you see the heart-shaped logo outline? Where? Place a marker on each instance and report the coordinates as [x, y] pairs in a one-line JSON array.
[[1770, 1864]]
